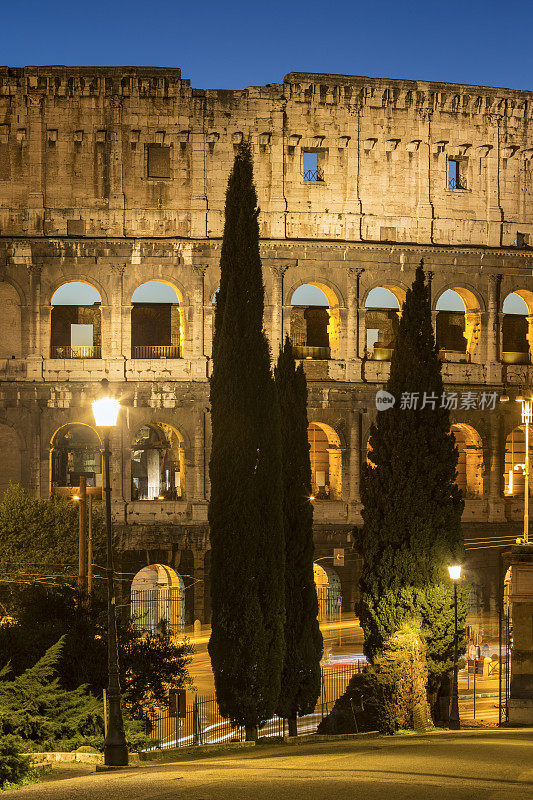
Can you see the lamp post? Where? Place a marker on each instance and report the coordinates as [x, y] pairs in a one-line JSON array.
[[455, 722], [105, 412], [527, 419]]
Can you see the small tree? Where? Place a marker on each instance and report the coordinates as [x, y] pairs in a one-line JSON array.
[[245, 516], [411, 503], [300, 684]]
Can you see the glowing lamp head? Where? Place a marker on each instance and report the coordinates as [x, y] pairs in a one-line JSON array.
[[75, 497], [105, 412], [455, 572], [311, 497]]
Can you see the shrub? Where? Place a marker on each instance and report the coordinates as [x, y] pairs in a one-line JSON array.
[[14, 766]]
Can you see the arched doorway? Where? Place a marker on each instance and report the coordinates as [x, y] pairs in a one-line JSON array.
[[156, 321], [326, 461], [458, 325], [158, 600], [76, 322], [75, 452], [314, 324], [157, 463], [517, 331], [470, 463], [382, 315], [515, 452], [328, 591]]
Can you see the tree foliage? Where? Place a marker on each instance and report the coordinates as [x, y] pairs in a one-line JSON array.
[[35, 709], [245, 517], [40, 537], [149, 663], [411, 504], [300, 685]]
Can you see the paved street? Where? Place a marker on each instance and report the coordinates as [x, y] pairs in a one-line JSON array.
[[493, 765]]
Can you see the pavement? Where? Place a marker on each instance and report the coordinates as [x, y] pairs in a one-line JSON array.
[[475, 765]]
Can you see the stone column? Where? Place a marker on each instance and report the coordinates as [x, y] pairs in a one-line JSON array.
[[493, 329], [199, 456], [34, 332], [355, 458], [197, 339], [277, 337], [521, 612], [36, 198], [361, 338], [351, 318], [493, 470]]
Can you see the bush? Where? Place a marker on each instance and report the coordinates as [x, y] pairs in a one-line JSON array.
[[389, 695], [14, 766]]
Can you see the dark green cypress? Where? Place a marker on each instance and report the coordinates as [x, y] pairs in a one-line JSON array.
[[245, 514], [411, 504], [300, 686]]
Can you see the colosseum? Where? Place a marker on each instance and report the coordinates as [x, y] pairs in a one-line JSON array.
[[112, 187]]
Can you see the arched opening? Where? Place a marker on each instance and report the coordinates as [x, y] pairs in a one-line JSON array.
[[156, 322], [517, 328], [382, 315], [11, 339], [76, 322], [326, 462], [157, 463], [328, 591], [75, 452], [314, 324], [458, 325], [11, 458], [515, 457], [158, 600], [470, 462]]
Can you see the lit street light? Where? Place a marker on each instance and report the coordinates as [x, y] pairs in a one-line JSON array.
[[105, 412], [455, 722]]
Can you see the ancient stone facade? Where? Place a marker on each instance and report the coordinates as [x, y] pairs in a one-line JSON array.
[[116, 177]]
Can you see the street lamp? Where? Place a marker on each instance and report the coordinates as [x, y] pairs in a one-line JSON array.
[[527, 419], [455, 722], [105, 412]]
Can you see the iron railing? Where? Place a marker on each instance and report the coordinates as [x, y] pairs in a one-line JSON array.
[[77, 351], [203, 723], [456, 183], [156, 609], [156, 351], [315, 175]]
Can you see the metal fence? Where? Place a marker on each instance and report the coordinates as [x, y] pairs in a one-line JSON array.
[[203, 723], [156, 351], [77, 351]]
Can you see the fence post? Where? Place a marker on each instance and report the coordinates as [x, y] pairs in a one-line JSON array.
[[195, 720]]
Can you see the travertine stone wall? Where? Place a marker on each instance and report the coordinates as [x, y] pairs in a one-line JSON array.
[[77, 203]]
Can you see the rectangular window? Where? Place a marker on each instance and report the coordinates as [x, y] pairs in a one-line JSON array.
[[158, 161], [522, 240], [312, 171], [456, 173]]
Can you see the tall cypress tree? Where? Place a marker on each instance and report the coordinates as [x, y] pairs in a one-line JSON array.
[[245, 513], [300, 684], [411, 504]]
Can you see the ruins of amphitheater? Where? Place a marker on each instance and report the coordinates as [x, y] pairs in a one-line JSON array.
[[112, 186]]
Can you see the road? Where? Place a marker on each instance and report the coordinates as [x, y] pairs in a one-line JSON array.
[[487, 765]]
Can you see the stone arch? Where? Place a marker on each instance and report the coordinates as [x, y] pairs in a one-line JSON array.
[[157, 320], [328, 589], [157, 599], [470, 463], [157, 463], [517, 327], [315, 328], [326, 461], [458, 323], [10, 447], [74, 452], [382, 304], [11, 340], [515, 451], [75, 324]]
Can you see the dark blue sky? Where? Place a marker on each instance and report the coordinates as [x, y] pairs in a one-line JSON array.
[[237, 44]]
